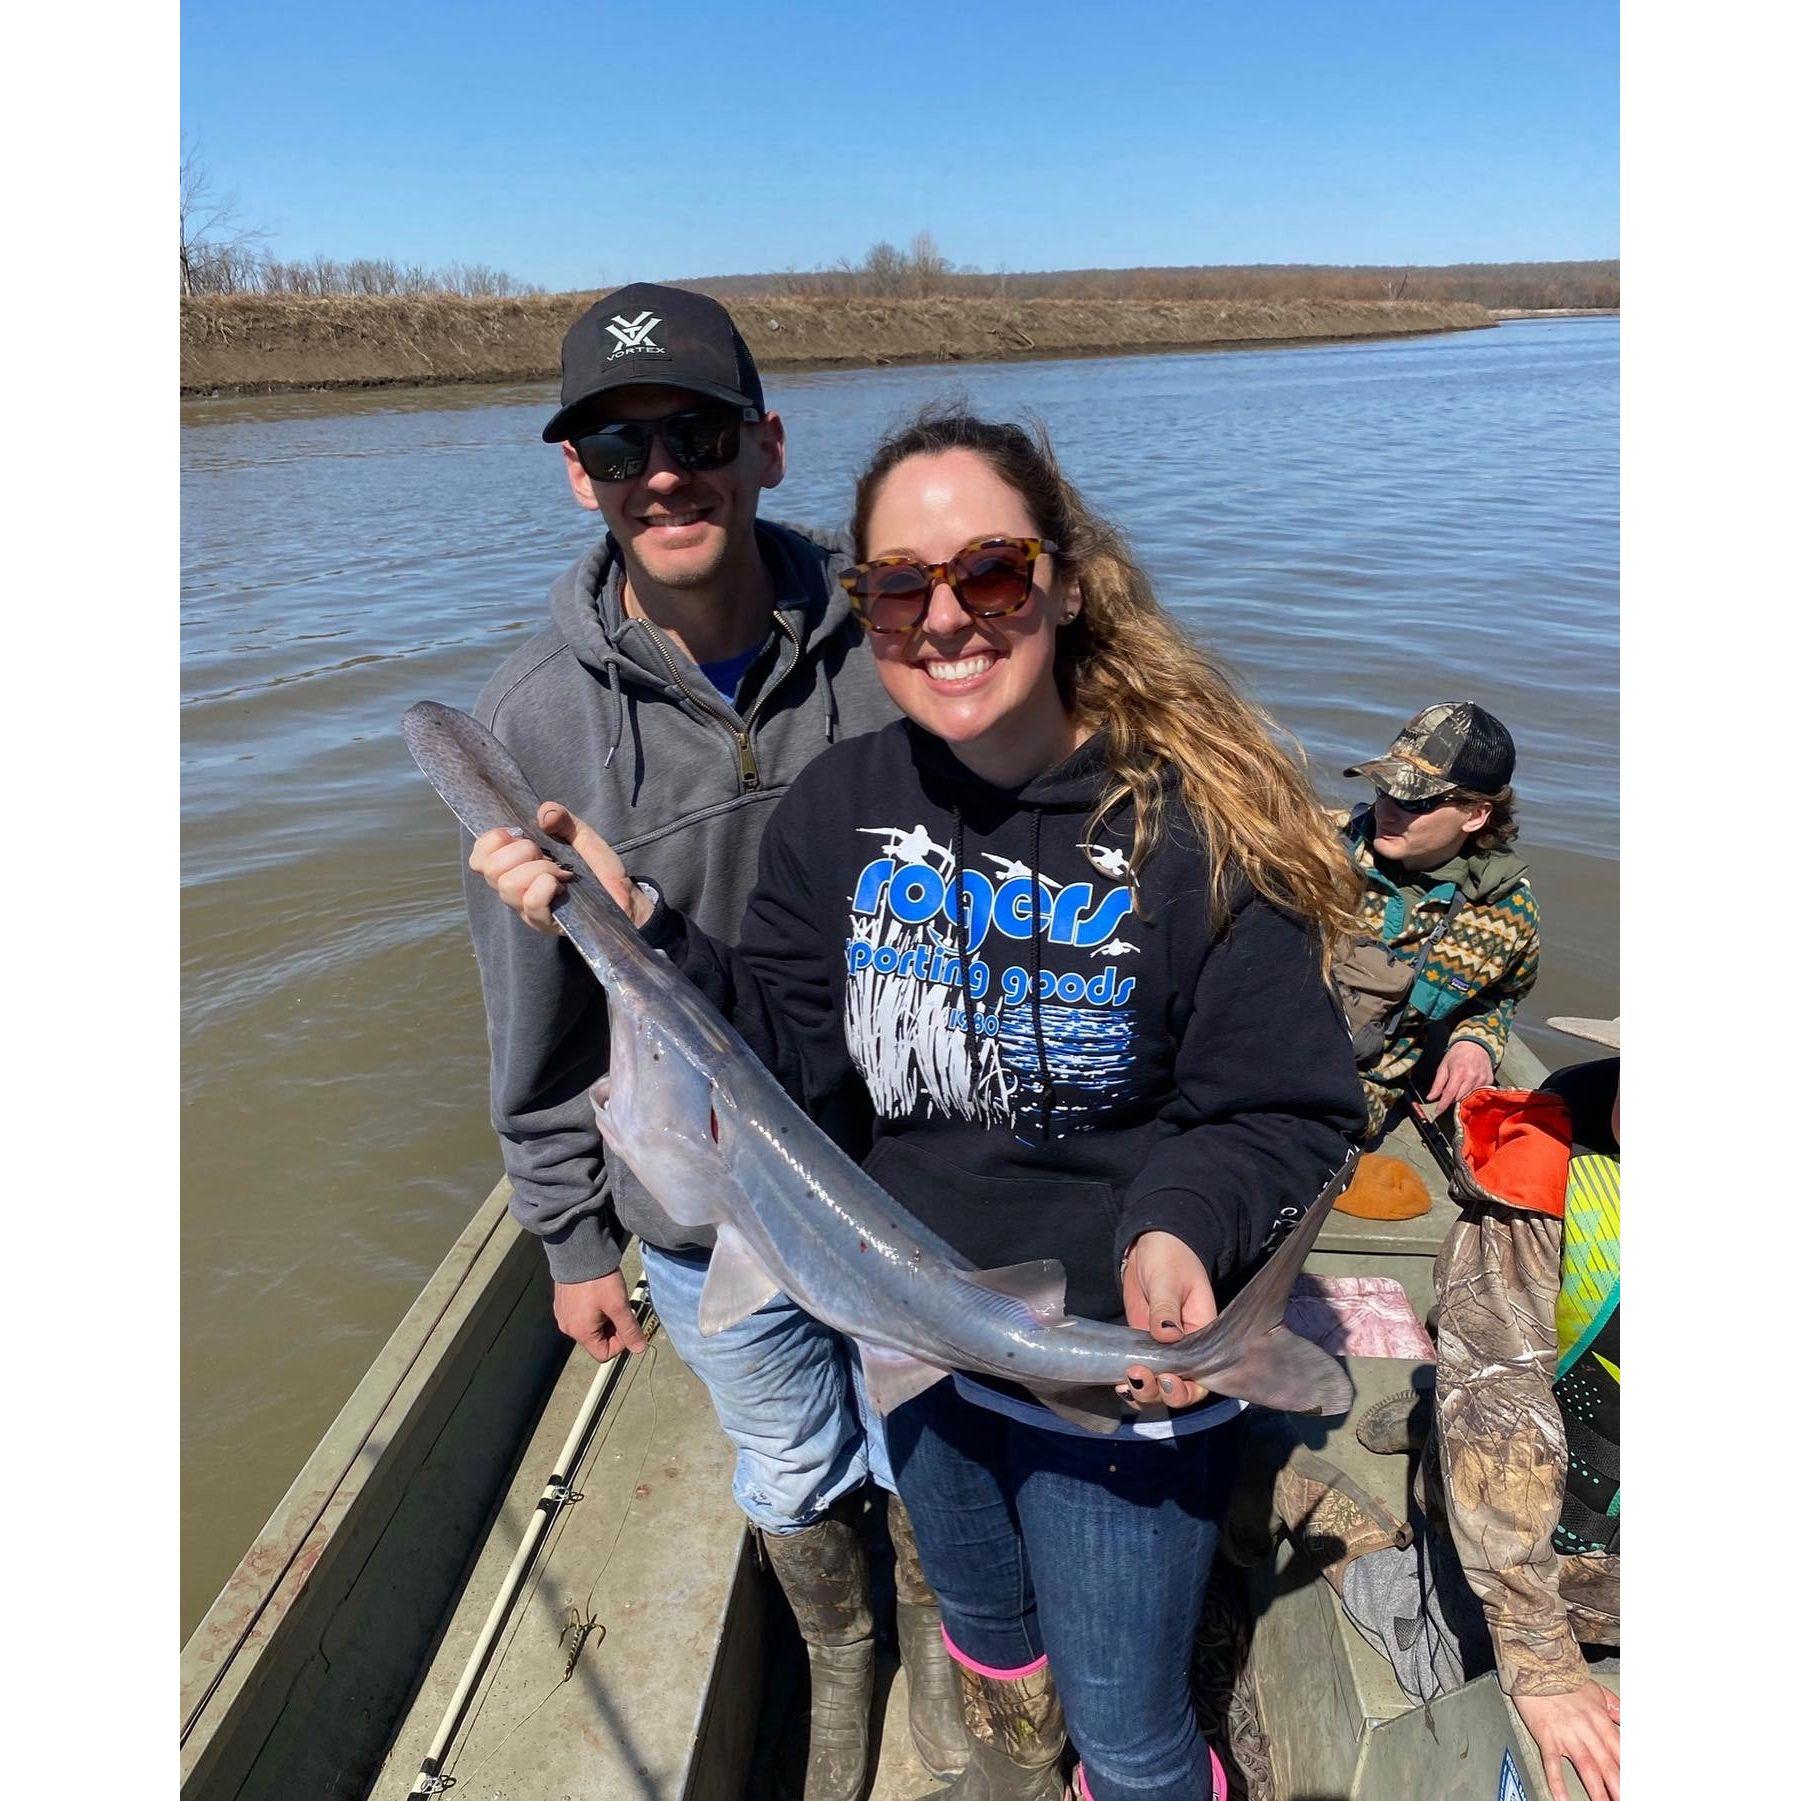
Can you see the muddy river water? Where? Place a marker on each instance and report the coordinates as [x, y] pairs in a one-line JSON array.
[[1359, 528]]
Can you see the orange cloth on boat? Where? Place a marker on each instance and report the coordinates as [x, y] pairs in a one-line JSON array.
[[1384, 1188]]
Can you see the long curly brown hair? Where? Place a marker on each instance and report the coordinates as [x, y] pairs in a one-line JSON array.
[[1123, 664]]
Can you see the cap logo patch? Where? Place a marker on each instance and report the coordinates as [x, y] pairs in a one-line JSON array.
[[634, 337]]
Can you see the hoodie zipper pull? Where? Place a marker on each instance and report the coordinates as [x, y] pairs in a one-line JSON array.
[[748, 775]]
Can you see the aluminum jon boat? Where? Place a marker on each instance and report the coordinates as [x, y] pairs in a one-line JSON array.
[[507, 1573]]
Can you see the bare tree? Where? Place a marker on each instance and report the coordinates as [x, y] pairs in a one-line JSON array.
[[927, 266], [218, 249], [884, 268]]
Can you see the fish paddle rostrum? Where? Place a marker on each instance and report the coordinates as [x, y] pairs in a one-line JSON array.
[[716, 1140]]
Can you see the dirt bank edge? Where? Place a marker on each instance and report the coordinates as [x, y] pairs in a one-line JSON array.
[[257, 344]]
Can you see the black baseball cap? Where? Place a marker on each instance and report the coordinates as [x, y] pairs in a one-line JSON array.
[[1455, 744], [647, 335]]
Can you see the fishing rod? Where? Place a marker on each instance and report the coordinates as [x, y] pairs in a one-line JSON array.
[[559, 1491]]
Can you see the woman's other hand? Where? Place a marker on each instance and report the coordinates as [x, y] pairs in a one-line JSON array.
[[1584, 1726], [530, 883], [1461, 1070], [1168, 1294]]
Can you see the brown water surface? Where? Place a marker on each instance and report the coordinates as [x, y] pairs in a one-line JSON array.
[[1359, 528]]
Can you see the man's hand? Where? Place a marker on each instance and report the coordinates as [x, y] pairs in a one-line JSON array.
[[598, 1316], [531, 884], [1584, 1726], [1462, 1070], [1168, 1294]]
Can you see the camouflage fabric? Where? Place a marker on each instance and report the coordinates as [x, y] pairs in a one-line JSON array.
[[1494, 1469], [1455, 744], [1489, 954]]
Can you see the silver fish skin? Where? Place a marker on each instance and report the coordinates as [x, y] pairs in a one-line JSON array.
[[689, 1107]]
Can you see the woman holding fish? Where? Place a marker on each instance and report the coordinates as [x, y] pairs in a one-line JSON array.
[[1064, 924]]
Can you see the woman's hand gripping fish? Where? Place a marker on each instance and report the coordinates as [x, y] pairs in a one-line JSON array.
[[712, 1135]]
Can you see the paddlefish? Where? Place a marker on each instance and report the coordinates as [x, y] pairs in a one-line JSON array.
[[690, 1109]]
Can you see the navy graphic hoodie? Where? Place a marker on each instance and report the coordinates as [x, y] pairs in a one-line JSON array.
[[1057, 1065]]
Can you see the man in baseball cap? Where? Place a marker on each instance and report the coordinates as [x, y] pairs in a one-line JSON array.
[[696, 658], [1446, 907]]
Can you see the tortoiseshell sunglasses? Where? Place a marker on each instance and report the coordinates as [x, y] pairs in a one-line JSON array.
[[991, 577]]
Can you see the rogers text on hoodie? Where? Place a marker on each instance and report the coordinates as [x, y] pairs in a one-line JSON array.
[[1059, 1060]]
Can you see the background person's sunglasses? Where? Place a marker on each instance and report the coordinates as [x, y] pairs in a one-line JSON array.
[[1430, 804], [704, 438], [991, 577]]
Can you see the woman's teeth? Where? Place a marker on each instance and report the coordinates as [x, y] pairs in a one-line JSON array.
[[959, 671]]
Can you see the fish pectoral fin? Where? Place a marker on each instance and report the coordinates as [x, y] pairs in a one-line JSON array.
[[892, 1378], [1040, 1285], [1095, 1408], [737, 1283]]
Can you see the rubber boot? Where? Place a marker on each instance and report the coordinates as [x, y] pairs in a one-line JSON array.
[[934, 1707], [824, 1574], [1014, 1730], [1397, 1423]]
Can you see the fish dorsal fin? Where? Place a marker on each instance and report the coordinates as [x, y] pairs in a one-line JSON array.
[[892, 1378], [1040, 1285], [737, 1283]]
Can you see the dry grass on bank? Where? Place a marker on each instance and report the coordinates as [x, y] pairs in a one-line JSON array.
[[250, 343]]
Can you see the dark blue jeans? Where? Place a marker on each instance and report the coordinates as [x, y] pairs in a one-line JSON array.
[[1090, 1550]]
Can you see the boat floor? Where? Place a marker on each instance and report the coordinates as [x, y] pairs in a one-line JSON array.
[[689, 1675]]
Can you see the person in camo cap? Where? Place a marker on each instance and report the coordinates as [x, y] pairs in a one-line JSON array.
[[1447, 899]]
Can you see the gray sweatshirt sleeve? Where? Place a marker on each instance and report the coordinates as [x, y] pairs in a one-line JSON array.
[[547, 1045]]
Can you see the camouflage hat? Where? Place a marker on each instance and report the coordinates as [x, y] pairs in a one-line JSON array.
[[1455, 744]]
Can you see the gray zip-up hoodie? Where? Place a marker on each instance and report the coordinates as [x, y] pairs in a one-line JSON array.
[[608, 716]]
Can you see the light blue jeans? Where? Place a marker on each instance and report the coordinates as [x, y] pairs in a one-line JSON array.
[[788, 1392]]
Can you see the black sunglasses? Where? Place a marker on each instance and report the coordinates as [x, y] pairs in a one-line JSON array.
[[1430, 804], [991, 577], [701, 439]]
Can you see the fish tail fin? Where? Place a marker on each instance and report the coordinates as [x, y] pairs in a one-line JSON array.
[[1258, 1307], [1281, 1370], [1248, 1352]]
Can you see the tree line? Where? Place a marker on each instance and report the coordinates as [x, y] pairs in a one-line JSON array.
[[886, 272], [222, 253]]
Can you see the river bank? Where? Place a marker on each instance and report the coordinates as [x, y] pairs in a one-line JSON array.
[[260, 344]]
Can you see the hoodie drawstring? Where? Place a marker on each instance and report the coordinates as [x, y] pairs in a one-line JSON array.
[[970, 1047], [615, 690], [1047, 1089]]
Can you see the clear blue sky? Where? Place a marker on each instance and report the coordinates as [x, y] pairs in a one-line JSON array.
[[583, 144]]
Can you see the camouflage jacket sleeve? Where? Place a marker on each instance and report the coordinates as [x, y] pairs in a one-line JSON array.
[[1501, 1436], [1492, 1027]]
